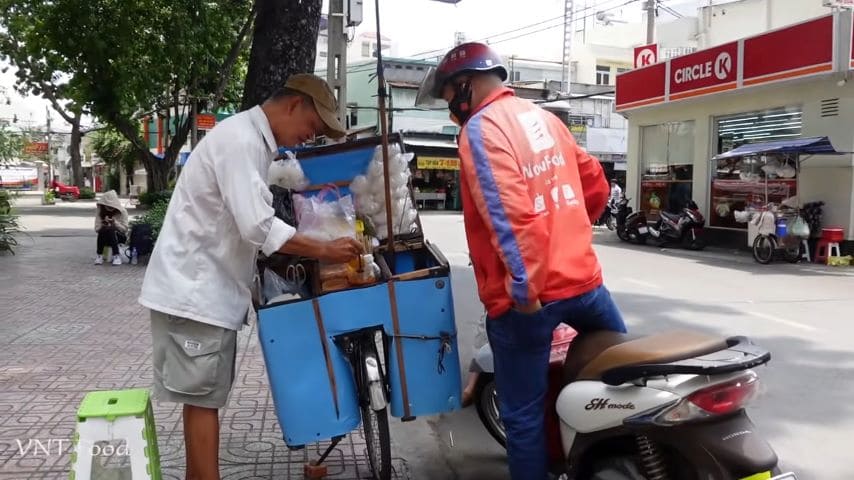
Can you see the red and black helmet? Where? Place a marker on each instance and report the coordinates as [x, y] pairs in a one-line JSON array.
[[466, 58]]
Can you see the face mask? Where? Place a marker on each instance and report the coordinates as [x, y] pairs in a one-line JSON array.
[[460, 104]]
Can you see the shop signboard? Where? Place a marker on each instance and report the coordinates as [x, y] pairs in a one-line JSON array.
[[641, 87], [205, 121], [35, 148], [438, 163], [796, 51], [646, 55], [704, 72], [18, 177]]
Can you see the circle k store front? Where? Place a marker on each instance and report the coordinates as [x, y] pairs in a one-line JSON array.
[[784, 84]]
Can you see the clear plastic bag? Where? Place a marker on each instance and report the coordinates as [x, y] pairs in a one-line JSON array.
[[799, 228], [278, 289], [287, 173], [359, 185], [326, 220]]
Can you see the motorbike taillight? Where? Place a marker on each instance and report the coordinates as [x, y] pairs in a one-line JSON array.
[[728, 397], [716, 400]]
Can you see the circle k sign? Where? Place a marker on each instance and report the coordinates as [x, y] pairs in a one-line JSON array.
[[704, 69], [723, 66]]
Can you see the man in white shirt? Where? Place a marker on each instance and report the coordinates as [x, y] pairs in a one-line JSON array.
[[616, 193], [197, 284]]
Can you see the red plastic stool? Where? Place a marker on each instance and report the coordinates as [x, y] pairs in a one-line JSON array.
[[828, 246]]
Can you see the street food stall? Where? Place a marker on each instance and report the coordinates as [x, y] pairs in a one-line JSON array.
[[347, 344], [759, 183]]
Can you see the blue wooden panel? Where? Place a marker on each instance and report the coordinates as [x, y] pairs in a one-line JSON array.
[[430, 351], [298, 377]]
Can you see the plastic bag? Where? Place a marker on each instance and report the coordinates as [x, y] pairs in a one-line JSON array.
[[359, 185], [275, 287], [283, 204], [799, 228], [326, 220], [287, 173]]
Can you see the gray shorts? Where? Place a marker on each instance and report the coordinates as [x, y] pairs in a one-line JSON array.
[[193, 361]]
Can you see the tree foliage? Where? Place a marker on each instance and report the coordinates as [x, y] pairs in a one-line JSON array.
[[11, 145], [122, 60]]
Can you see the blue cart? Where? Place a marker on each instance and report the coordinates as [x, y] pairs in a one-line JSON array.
[[348, 357]]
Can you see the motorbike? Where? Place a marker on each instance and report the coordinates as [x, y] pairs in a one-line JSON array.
[[685, 227], [630, 226], [609, 216], [665, 406]]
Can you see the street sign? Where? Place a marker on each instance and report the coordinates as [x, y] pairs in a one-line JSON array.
[[646, 55]]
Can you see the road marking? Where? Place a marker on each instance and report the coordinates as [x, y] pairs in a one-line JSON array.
[[783, 321], [642, 283]]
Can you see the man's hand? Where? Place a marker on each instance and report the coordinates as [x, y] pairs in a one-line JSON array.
[[337, 251], [340, 251], [529, 309]]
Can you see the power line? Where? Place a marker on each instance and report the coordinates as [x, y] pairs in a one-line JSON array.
[[372, 67]]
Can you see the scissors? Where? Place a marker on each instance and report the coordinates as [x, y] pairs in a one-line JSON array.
[[296, 274]]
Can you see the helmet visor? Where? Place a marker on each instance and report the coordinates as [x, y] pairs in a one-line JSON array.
[[425, 97]]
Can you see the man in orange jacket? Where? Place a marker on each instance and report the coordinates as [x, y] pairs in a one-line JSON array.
[[530, 195]]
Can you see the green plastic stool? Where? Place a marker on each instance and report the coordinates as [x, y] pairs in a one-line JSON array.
[[109, 416]]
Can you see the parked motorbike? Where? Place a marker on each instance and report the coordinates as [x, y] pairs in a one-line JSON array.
[[665, 406], [685, 227], [630, 226]]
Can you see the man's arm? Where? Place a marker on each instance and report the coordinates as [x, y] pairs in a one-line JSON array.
[[250, 202], [247, 197], [594, 185], [502, 199]]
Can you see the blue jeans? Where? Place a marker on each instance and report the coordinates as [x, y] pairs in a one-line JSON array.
[[521, 344]]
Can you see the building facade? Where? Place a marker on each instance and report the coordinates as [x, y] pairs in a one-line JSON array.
[[770, 86]]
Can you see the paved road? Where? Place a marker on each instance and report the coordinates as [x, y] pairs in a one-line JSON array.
[[799, 312], [69, 327]]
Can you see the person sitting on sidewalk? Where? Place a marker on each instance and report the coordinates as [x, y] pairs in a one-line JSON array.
[[111, 223]]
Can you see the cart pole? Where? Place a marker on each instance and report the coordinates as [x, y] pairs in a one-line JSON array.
[[381, 100]]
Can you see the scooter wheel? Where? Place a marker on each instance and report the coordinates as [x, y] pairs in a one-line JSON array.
[[486, 402]]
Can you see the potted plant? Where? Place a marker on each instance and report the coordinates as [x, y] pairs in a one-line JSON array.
[[49, 198]]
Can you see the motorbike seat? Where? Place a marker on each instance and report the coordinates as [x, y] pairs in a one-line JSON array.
[[593, 354]]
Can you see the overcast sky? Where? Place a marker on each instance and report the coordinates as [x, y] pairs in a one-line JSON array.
[[418, 26]]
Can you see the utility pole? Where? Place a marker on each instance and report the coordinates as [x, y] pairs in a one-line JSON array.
[[650, 21], [568, 32], [49, 160], [336, 59]]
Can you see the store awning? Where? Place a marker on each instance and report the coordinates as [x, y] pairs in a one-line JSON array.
[[430, 142], [807, 146]]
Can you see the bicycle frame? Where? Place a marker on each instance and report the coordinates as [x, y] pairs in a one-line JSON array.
[[360, 347]]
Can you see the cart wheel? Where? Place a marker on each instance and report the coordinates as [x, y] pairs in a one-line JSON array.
[[763, 249], [375, 429]]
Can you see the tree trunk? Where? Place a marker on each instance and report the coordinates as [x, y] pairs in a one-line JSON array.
[[284, 42], [76, 161], [157, 171]]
